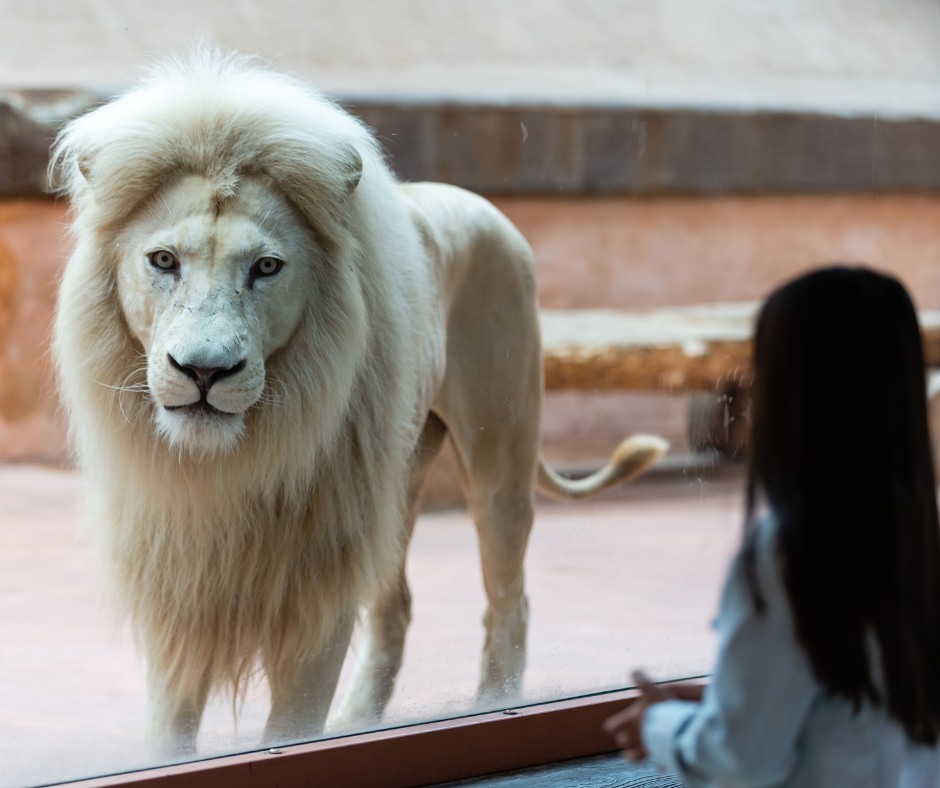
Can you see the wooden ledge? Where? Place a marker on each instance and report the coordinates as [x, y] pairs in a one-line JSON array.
[[696, 348], [408, 757]]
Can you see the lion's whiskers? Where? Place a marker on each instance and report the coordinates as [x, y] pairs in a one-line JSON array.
[[138, 388]]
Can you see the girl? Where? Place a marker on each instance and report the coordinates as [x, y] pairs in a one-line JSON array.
[[828, 671]]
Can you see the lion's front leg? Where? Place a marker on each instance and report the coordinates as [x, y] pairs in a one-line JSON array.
[[301, 694], [386, 623], [381, 654], [173, 720]]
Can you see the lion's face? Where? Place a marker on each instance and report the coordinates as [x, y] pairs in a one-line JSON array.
[[211, 288]]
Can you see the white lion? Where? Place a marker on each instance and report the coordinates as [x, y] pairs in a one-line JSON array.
[[262, 340]]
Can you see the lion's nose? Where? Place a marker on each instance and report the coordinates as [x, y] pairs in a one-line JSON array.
[[206, 377]]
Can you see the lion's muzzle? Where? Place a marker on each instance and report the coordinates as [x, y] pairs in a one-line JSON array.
[[205, 377]]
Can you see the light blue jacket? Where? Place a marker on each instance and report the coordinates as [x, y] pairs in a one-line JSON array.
[[766, 721]]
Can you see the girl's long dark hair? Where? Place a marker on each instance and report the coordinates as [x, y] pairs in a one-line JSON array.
[[841, 449]]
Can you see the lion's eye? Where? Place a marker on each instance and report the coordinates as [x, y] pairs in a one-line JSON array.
[[163, 260], [266, 266]]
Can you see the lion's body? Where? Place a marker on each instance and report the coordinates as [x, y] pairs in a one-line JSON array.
[[251, 535]]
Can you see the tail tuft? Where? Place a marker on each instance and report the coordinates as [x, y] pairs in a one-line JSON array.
[[634, 456]]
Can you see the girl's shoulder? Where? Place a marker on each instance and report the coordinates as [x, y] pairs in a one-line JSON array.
[[765, 532], [755, 577]]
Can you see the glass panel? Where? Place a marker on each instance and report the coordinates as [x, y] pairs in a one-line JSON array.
[[669, 166]]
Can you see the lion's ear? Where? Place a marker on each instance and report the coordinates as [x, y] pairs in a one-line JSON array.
[[352, 166], [84, 167]]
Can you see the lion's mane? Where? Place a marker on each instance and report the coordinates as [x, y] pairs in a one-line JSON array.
[[235, 559]]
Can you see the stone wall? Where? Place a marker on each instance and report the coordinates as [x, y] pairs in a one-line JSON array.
[[620, 251], [624, 207], [32, 250]]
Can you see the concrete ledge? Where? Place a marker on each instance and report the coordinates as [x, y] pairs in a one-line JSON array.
[[29, 120], [515, 149], [609, 150]]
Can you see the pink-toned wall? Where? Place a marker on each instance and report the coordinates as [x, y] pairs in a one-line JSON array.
[[590, 252], [32, 251], [638, 253]]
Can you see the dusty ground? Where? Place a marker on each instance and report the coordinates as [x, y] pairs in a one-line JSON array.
[[631, 580]]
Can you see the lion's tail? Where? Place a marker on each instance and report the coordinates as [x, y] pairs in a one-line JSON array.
[[634, 456]]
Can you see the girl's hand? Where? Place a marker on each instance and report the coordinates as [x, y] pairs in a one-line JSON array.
[[626, 726]]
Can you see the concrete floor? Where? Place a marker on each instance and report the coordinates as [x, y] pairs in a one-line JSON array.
[[631, 580]]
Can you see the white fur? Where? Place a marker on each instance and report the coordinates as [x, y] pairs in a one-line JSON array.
[[248, 533], [292, 509]]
